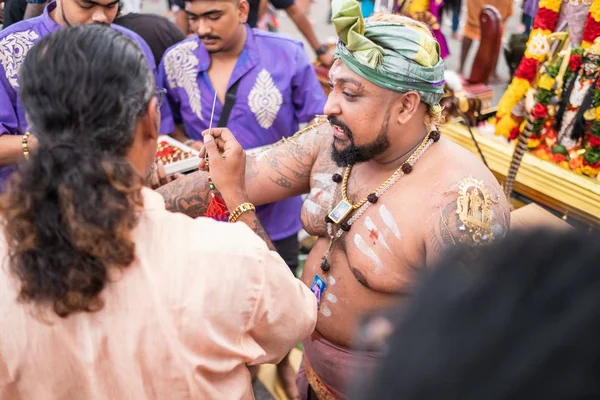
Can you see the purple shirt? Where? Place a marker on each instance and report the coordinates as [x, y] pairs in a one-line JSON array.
[[278, 89], [15, 42]]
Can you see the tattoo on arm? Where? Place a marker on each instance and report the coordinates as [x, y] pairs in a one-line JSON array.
[[189, 194], [252, 221], [473, 216], [280, 171]]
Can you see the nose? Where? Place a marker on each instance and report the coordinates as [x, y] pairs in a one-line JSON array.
[[332, 106], [99, 16], [203, 28]]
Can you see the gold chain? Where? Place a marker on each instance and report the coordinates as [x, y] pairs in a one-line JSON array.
[[363, 201]]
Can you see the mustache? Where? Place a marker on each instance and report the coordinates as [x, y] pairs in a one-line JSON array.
[[334, 121], [208, 37]]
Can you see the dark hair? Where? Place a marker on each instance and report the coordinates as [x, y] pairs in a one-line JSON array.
[[521, 321], [69, 211]]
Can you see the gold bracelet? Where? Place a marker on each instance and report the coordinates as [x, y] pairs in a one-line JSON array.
[[239, 210], [24, 145]]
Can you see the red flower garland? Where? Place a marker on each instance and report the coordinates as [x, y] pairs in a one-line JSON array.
[[514, 133], [527, 69], [545, 19], [592, 30], [575, 62], [594, 141], [540, 111]]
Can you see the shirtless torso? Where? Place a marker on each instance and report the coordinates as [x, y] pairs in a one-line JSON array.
[[374, 264]]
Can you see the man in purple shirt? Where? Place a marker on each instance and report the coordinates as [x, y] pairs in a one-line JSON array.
[[16, 41], [275, 89]]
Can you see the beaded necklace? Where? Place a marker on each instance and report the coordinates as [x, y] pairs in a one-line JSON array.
[[340, 213]]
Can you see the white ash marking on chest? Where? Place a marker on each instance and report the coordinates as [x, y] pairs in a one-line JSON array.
[[324, 179], [331, 280], [331, 298], [326, 311], [367, 251], [312, 207], [374, 234], [317, 194], [389, 221]]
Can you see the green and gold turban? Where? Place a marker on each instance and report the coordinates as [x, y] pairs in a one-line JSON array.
[[390, 54]]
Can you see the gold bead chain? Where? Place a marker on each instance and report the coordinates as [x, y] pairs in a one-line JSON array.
[[363, 201]]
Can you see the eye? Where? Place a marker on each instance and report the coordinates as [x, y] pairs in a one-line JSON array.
[[350, 96], [192, 18], [86, 6], [214, 17], [112, 6]]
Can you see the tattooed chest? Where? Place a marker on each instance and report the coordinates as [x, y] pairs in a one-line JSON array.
[[318, 204]]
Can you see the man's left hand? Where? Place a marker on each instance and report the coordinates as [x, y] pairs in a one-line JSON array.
[[159, 176]]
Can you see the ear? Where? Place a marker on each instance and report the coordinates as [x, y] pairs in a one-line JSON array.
[[408, 104], [243, 10], [151, 120]]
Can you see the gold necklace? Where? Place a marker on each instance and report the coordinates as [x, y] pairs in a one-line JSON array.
[[345, 206], [372, 198]]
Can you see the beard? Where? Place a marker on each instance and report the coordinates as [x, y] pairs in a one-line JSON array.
[[354, 154]]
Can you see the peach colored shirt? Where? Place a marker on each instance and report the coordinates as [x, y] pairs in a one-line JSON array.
[[202, 300]]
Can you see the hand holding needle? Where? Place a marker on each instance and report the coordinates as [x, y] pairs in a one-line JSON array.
[[212, 115]]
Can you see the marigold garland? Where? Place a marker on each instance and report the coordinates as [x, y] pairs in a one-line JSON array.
[[543, 26]]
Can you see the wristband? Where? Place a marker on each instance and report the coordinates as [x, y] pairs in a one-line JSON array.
[[239, 210]]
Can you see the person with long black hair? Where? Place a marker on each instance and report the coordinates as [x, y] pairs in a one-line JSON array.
[[103, 293]]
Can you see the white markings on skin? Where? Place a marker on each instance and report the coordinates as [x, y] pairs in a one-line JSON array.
[[325, 311], [389, 221], [367, 251], [312, 207], [370, 225], [324, 179], [331, 298], [335, 69], [331, 280], [319, 193]]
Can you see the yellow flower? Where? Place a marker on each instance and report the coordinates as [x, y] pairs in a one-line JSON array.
[[585, 44], [553, 5], [522, 127], [514, 93], [537, 45], [505, 126], [533, 143], [595, 10], [597, 114], [589, 171], [418, 6], [564, 164], [546, 82]]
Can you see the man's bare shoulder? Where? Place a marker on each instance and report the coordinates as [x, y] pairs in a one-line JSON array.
[[467, 205]]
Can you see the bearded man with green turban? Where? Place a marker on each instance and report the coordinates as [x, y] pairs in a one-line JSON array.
[[385, 193]]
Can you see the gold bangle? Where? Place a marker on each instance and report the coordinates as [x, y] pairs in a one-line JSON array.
[[24, 145], [239, 210]]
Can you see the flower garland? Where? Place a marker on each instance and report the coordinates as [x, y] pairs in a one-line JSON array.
[[537, 50], [591, 157], [592, 26]]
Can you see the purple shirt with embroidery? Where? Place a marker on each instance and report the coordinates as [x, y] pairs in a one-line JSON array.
[[15, 42], [278, 89]]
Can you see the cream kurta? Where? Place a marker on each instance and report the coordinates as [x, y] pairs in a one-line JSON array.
[[202, 300]]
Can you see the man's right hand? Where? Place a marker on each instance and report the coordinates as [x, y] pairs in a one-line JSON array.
[[227, 165]]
